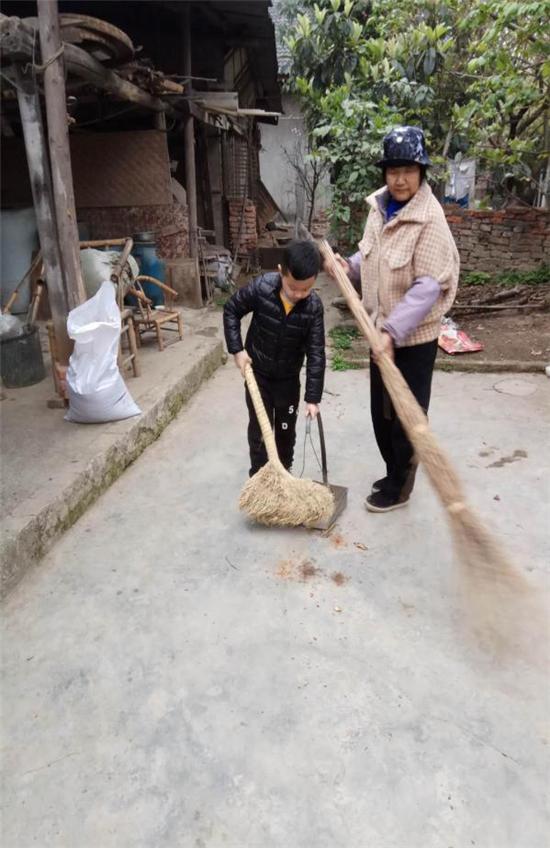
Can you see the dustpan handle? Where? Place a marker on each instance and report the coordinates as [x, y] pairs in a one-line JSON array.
[[319, 420]]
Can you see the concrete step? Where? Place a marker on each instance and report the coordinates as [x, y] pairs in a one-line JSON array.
[[53, 470]]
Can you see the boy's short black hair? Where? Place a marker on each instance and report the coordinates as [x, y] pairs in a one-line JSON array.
[[301, 259]]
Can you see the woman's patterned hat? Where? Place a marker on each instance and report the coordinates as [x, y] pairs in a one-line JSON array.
[[403, 145]]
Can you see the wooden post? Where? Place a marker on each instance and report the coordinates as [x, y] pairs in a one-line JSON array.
[[160, 121], [40, 179], [190, 167], [189, 135], [191, 181], [60, 154]]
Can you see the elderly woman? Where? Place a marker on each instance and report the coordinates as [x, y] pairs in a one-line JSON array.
[[407, 265]]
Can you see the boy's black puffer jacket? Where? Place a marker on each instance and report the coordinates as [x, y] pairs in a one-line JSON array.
[[277, 343]]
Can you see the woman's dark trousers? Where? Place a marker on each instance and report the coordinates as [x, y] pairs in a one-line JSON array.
[[416, 363]]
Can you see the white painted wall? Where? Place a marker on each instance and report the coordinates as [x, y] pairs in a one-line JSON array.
[[276, 173]]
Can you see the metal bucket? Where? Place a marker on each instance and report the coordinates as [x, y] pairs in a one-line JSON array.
[[21, 362]]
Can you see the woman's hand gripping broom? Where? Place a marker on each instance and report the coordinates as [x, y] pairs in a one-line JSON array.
[[273, 496]]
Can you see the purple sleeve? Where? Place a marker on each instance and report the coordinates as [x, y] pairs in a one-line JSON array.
[[412, 309], [354, 263]]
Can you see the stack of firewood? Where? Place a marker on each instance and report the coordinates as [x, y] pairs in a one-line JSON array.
[[173, 239], [320, 226], [242, 225], [142, 74]]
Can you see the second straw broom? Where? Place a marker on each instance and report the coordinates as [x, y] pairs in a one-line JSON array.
[[273, 496], [475, 546]]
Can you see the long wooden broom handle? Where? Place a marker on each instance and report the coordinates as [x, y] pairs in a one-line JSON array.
[[263, 420]]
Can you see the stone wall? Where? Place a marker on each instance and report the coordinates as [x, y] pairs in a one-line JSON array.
[[517, 238]]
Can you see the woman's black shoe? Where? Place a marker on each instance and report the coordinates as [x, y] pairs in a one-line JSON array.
[[380, 502], [378, 485]]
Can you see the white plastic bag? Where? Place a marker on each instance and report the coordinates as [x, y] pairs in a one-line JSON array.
[[98, 265], [97, 392]]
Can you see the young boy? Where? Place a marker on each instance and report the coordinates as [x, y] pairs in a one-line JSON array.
[[287, 325]]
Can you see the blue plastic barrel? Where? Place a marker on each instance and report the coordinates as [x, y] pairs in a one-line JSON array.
[[145, 252]]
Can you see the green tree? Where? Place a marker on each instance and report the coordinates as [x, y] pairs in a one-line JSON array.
[[473, 73]]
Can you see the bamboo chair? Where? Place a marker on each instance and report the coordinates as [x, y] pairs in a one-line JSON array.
[[128, 333], [150, 320]]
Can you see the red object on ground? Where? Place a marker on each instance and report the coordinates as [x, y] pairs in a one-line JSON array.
[[452, 340]]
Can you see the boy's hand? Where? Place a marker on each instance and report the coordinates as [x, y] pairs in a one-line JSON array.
[[242, 359], [386, 346], [312, 410], [329, 267]]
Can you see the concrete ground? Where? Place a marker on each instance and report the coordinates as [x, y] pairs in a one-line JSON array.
[[174, 676], [52, 469]]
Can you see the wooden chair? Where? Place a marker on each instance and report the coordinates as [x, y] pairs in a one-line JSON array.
[[150, 320], [128, 334]]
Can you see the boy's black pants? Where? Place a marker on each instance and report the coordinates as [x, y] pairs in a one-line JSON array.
[[281, 399], [416, 363]]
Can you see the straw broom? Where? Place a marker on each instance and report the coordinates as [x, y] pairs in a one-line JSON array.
[[474, 544], [273, 496]]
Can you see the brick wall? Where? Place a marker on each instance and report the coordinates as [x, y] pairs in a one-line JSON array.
[[242, 225], [169, 223], [517, 238]]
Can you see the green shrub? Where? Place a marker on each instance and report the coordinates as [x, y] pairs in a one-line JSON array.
[[537, 277], [340, 363], [342, 337], [476, 278]]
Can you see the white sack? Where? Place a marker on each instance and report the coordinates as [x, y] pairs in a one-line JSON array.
[[98, 265], [97, 392]]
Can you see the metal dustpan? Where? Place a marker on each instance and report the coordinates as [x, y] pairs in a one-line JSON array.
[[340, 493]]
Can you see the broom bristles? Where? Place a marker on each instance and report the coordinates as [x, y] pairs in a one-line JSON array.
[[273, 496], [277, 498], [474, 544]]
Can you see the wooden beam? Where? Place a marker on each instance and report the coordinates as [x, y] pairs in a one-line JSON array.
[[39, 172], [60, 154], [213, 119], [18, 43]]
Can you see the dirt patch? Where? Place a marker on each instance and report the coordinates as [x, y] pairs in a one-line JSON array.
[[511, 335], [409, 609], [302, 570], [338, 578], [506, 460], [337, 540], [285, 569], [308, 570], [522, 334], [297, 570]]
